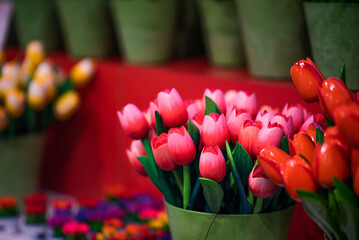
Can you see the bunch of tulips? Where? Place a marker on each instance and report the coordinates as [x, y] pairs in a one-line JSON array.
[[35, 90], [322, 167], [202, 154]]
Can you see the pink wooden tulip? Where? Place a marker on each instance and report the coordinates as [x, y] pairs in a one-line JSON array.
[[147, 115], [181, 146], [259, 184], [192, 108], [271, 134], [198, 121], [161, 152], [215, 130], [153, 108], [212, 164], [286, 123], [235, 122], [172, 108], [316, 118], [136, 150], [217, 96], [297, 114], [265, 118], [247, 101], [133, 121], [230, 97], [267, 108], [248, 135]]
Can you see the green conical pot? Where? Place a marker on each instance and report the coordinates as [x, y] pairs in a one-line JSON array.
[[191, 225], [87, 27], [334, 38], [274, 35], [145, 29], [20, 163], [37, 20], [221, 32]]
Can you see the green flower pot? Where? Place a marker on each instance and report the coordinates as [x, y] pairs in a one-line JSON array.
[[20, 163], [37, 20], [87, 27], [221, 32], [145, 29], [274, 35], [191, 225], [334, 38]]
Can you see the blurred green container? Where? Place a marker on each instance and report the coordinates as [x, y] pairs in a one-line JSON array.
[[191, 225], [334, 37], [37, 20], [145, 29], [20, 163], [222, 34], [274, 35], [87, 27]]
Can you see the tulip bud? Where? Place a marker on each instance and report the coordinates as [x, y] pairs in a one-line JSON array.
[[11, 71], [304, 146], [217, 96], [15, 102], [4, 119], [346, 118], [6, 84], [215, 130], [161, 152], [192, 108], [133, 122], [329, 162], [286, 123], [259, 184], [248, 136], [181, 146], [230, 97], [198, 121], [312, 131], [316, 118], [172, 108], [83, 71], [332, 94], [246, 101], [212, 164], [265, 118], [271, 134], [297, 176], [35, 52], [332, 134], [135, 151], [66, 105], [297, 115], [235, 122], [36, 96], [306, 78]]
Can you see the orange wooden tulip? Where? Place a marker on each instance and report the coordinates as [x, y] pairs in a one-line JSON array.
[[332, 94], [312, 131], [346, 117], [271, 159], [354, 161], [329, 162], [332, 134], [304, 145], [306, 78], [297, 176]]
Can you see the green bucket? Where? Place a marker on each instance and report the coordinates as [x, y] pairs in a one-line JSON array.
[[145, 29], [37, 20], [222, 34], [274, 35], [334, 37], [191, 225], [87, 27], [20, 163]]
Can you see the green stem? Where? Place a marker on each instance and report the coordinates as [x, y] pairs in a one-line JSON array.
[[186, 185], [149, 152], [258, 206], [179, 180]]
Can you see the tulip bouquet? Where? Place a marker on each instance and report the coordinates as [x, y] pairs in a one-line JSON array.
[[322, 169], [8, 215], [75, 231], [202, 154]]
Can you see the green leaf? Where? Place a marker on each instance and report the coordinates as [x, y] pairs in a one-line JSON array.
[[211, 106], [285, 145], [319, 136], [318, 210], [345, 192], [194, 133], [213, 193], [159, 124], [243, 164], [342, 75]]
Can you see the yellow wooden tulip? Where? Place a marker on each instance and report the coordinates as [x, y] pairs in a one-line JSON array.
[[37, 96], [66, 105], [35, 52], [82, 73], [15, 102]]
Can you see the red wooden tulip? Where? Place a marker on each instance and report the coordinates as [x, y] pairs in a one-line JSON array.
[[172, 108], [181, 146], [271, 134], [212, 164], [329, 162], [198, 121], [286, 123], [161, 152], [346, 118], [306, 78], [136, 150], [246, 101], [259, 184], [133, 122], [248, 135], [312, 130], [332, 94], [332, 134], [217, 96], [296, 111], [304, 145], [235, 122], [215, 130]]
